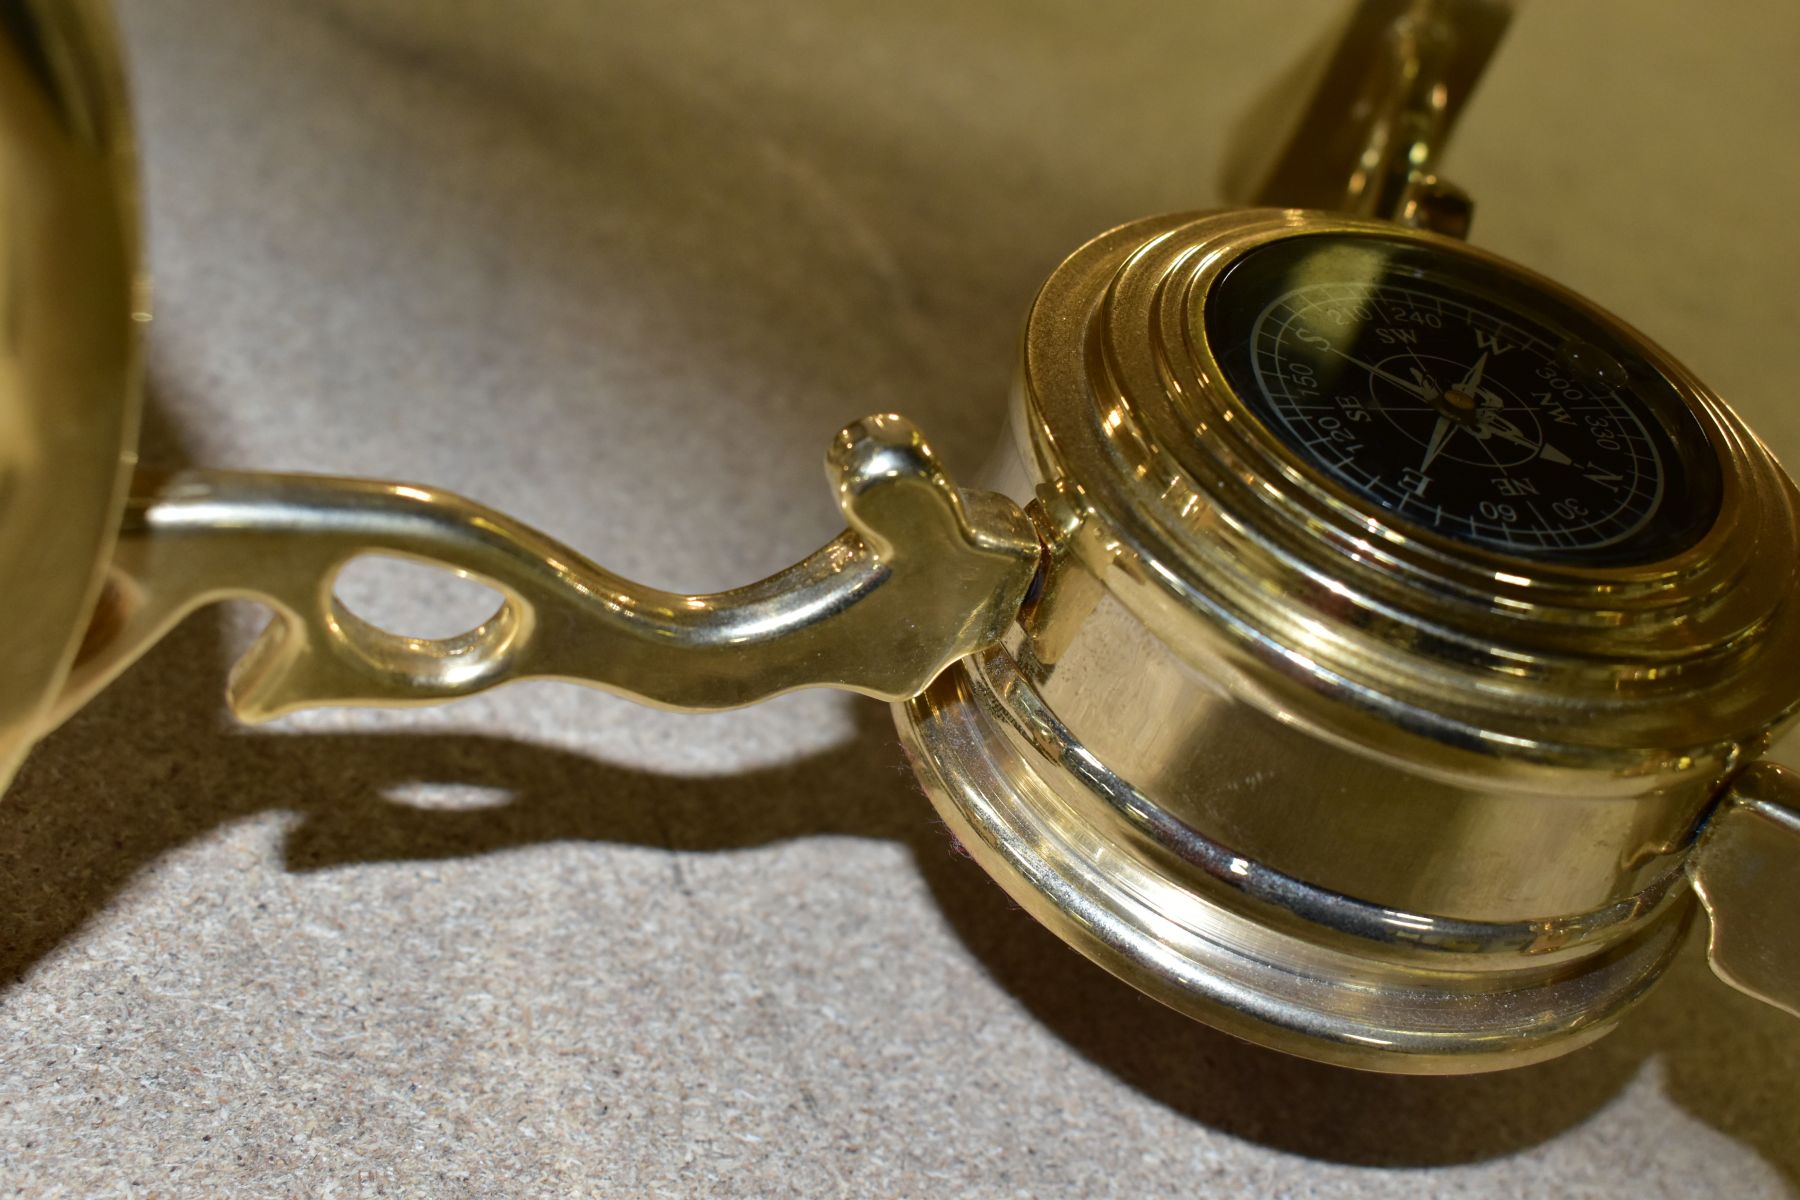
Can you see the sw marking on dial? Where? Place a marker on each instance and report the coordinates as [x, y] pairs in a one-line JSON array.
[[1463, 400]]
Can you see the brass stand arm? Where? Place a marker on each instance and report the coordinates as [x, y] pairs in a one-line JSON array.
[[1746, 870], [923, 576], [1360, 126]]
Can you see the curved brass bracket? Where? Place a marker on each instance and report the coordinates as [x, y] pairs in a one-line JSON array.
[[923, 576], [1746, 869]]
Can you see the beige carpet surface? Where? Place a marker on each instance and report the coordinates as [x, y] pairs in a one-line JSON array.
[[622, 269]]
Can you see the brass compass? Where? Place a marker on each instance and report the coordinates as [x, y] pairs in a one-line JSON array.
[[1359, 641]]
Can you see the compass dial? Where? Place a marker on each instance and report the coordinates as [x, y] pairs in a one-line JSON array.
[[1463, 399]]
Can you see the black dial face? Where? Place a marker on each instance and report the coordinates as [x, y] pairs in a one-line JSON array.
[[1463, 400]]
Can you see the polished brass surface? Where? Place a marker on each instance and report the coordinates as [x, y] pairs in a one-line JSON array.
[[68, 358], [1360, 125], [923, 576], [1276, 754], [1746, 870]]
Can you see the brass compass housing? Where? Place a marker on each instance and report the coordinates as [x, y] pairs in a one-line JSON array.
[[1308, 770], [1286, 759]]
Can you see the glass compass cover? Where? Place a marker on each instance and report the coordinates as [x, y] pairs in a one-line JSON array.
[[1463, 400]]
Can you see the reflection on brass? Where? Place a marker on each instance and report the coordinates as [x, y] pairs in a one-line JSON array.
[[923, 576], [1334, 783], [1746, 869]]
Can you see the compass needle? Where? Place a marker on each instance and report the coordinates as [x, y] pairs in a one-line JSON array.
[[1440, 434], [1420, 388]]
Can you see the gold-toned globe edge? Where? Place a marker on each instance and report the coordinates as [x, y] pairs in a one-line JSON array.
[[1668, 720], [70, 402]]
